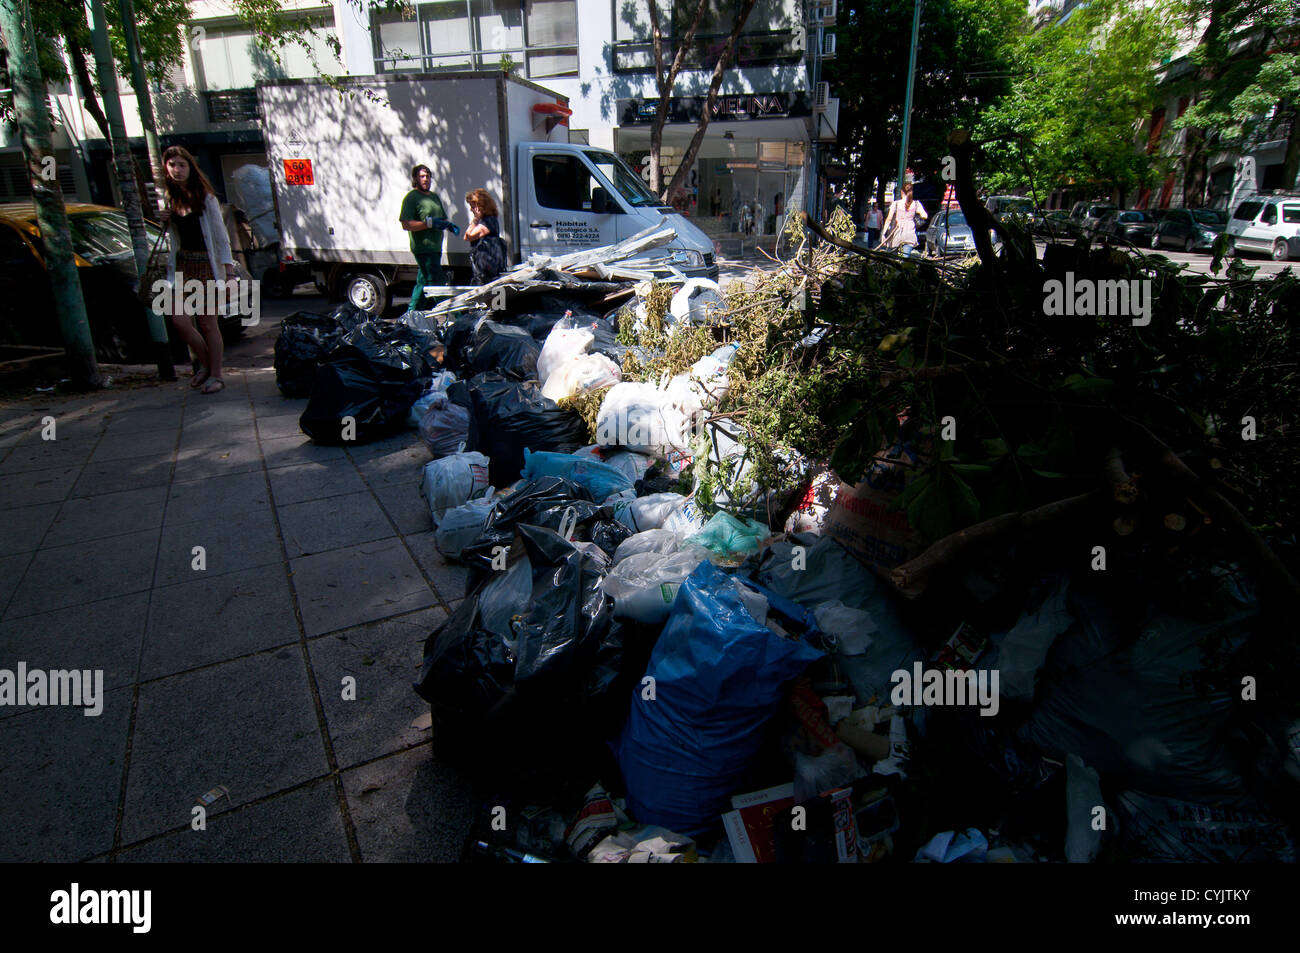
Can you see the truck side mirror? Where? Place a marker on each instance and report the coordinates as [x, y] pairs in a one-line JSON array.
[[600, 203]]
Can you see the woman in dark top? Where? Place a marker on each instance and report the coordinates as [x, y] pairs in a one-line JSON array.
[[487, 253]]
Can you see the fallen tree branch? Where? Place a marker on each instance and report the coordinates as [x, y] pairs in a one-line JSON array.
[[912, 577], [940, 370]]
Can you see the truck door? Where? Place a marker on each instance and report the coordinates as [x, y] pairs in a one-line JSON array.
[[561, 204]]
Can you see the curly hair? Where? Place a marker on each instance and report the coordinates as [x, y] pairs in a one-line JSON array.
[[194, 191], [415, 175], [486, 206]]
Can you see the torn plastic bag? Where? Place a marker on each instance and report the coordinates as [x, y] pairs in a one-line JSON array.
[[457, 338], [554, 615], [562, 346], [648, 512], [1156, 712], [600, 479], [698, 302], [704, 386], [357, 400], [608, 535], [1022, 651], [445, 427], [851, 628], [462, 525], [730, 538], [434, 392], [552, 502], [305, 339], [509, 416], [719, 677], [640, 417], [1221, 830], [504, 349], [644, 585], [659, 541], [453, 481], [585, 373], [604, 335]]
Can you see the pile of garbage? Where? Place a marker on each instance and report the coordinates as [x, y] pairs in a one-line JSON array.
[[688, 637]]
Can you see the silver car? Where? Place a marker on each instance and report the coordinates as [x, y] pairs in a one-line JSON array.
[[1268, 224], [949, 234]]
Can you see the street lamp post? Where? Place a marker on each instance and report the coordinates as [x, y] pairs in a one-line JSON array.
[[907, 106]]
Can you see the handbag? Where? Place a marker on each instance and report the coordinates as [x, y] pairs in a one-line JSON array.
[[155, 270]]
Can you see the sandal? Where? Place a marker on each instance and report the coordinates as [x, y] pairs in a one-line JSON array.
[[199, 377], [209, 387]]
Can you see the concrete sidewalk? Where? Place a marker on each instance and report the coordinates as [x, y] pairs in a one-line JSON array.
[[320, 565]]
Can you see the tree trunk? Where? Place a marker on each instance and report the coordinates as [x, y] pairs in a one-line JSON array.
[[664, 82], [86, 86], [51, 216], [144, 103], [719, 70]]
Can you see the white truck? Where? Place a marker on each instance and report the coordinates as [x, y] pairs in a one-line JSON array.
[[341, 164]]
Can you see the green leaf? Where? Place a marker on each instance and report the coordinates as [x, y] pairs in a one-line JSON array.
[[1051, 474], [997, 447], [940, 503], [972, 467], [845, 413]]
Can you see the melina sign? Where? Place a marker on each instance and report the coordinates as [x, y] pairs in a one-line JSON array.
[[725, 108]]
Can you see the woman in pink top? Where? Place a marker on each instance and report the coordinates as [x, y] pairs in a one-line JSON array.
[[900, 223]]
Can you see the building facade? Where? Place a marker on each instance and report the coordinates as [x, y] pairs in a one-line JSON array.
[[755, 160]]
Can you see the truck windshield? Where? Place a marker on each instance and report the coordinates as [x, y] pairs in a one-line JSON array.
[[628, 184]]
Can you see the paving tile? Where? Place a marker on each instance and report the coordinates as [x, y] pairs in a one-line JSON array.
[[22, 528], [104, 635], [31, 487], [113, 514], [218, 434], [278, 405], [11, 571], [408, 808], [318, 526], [277, 427], [292, 451], [402, 440], [449, 578], [202, 463], [217, 618], [248, 724], [399, 465], [385, 659], [59, 781], [158, 444], [347, 587], [62, 576], [113, 476], [32, 454], [302, 827], [224, 496], [314, 481], [228, 546], [136, 421], [406, 507]]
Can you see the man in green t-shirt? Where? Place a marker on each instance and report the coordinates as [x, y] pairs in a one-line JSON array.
[[425, 218]]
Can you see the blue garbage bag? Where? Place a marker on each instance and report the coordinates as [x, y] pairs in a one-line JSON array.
[[601, 480], [719, 676]]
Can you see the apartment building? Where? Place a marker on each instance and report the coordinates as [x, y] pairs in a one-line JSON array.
[[598, 53]]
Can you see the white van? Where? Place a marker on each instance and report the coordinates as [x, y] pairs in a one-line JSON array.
[[341, 167], [1268, 224]]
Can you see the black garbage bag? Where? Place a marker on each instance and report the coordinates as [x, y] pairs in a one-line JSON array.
[[507, 350], [607, 534], [457, 337], [509, 416], [372, 378], [506, 674], [304, 341]]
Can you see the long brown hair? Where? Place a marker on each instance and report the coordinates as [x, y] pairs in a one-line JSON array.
[[195, 190], [907, 194], [484, 201]]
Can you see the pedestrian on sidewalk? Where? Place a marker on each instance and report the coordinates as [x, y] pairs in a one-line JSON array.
[[424, 216], [900, 223], [487, 250], [198, 248], [873, 223]]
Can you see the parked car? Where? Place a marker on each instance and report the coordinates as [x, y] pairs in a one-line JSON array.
[[1056, 222], [1000, 206], [1268, 224], [1188, 228], [1086, 215], [950, 235], [105, 259], [1131, 225]]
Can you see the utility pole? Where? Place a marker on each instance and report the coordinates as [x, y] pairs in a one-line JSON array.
[[140, 83], [907, 107], [51, 216], [104, 66]]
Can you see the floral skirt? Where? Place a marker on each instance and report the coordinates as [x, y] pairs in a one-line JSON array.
[[194, 264]]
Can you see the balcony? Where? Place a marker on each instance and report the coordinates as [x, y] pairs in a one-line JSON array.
[[766, 48]]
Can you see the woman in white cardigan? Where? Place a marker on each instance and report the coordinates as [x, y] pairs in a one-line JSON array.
[[199, 247]]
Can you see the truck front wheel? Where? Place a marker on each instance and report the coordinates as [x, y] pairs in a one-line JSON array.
[[368, 291]]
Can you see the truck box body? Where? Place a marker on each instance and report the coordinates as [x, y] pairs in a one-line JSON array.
[[341, 165]]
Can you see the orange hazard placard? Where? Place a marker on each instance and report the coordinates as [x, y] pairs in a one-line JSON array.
[[298, 172]]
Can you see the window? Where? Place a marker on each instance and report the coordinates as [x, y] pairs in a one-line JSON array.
[[228, 57], [1291, 214], [1270, 215], [770, 35], [1247, 211], [1208, 217], [563, 183], [625, 181], [540, 35], [13, 250]]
